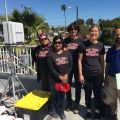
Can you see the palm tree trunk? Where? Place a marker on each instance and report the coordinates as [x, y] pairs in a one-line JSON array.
[[65, 19]]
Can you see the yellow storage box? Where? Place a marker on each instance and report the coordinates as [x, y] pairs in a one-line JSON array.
[[33, 100]]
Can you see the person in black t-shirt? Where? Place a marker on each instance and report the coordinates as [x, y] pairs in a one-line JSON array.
[[39, 56], [91, 69], [59, 63], [72, 43]]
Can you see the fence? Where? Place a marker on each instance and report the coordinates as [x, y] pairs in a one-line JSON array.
[[17, 51]]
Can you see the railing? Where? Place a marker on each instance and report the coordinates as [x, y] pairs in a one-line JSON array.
[[17, 51]]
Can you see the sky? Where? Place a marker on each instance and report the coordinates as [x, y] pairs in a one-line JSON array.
[[51, 9]]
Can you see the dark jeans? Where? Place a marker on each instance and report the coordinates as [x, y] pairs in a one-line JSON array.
[[61, 101], [77, 86], [57, 99], [44, 78], [93, 84]]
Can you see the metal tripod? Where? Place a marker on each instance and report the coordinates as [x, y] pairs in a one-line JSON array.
[[14, 84]]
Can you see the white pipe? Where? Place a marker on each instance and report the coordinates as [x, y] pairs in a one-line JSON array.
[[5, 4]]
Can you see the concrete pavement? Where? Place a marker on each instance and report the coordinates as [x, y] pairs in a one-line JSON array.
[[32, 85]]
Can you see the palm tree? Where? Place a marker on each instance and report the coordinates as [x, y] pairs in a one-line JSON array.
[[32, 22], [63, 8]]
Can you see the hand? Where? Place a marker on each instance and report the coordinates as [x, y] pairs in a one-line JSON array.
[[65, 49], [66, 75], [82, 80], [106, 82], [63, 78]]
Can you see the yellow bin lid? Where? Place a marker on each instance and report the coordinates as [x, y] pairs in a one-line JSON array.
[[33, 100]]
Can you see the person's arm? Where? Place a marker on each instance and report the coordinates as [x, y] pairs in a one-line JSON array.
[[81, 52], [51, 67], [106, 74], [33, 54], [81, 77], [101, 59], [53, 70], [70, 65], [102, 62], [70, 62], [107, 67]]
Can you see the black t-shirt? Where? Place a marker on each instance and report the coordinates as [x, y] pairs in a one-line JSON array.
[[39, 55], [91, 54], [59, 64], [72, 46]]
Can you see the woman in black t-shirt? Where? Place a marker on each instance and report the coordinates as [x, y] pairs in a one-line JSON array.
[[91, 69], [60, 64], [39, 56]]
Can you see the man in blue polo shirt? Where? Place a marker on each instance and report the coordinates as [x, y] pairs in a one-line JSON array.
[[113, 68]]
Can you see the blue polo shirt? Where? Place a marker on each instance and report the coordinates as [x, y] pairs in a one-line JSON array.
[[113, 59]]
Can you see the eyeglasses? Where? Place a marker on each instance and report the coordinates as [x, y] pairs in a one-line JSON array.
[[58, 42], [73, 29]]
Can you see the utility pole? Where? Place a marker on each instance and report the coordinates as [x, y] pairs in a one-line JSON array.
[[76, 12], [6, 15]]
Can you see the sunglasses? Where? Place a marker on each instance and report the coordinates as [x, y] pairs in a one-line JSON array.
[[58, 42], [43, 39], [73, 29]]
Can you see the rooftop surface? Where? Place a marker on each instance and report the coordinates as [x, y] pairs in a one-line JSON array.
[[33, 85]]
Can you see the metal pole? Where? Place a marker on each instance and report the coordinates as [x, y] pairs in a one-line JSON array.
[[77, 13], [5, 5], [6, 10]]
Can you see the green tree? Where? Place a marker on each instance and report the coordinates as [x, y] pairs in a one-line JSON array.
[[106, 36], [16, 16], [2, 18], [116, 22], [32, 22], [80, 21], [89, 21], [105, 23], [84, 30], [107, 27]]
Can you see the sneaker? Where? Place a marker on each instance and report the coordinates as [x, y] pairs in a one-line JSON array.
[[76, 109], [53, 114], [63, 116], [88, 115], [97, 116], [69, 106]]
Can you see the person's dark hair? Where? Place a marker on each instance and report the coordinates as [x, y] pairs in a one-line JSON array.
[[94, 25], [75, 25], [56, 38], [114, 31]]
